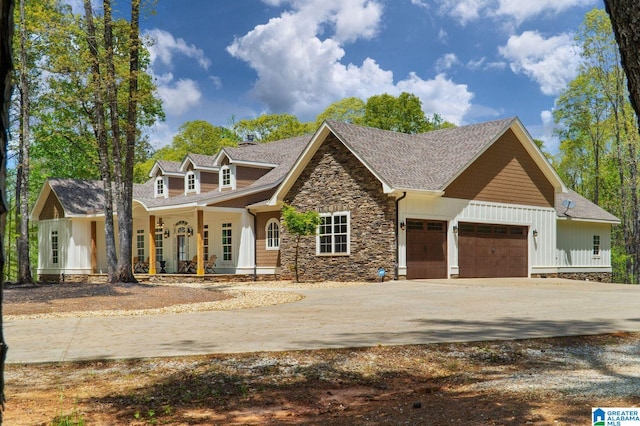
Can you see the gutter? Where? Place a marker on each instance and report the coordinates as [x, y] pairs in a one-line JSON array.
[[404, 194], [255, 245]]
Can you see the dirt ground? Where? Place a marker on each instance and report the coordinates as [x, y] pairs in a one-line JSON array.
[[524, 382]]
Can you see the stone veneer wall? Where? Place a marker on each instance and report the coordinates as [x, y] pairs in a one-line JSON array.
[[603, 277], [334, 180]]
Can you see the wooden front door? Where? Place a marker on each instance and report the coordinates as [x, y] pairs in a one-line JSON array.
[[426, 249]]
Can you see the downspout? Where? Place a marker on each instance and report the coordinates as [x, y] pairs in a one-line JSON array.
[[404, 194], [255, 245]]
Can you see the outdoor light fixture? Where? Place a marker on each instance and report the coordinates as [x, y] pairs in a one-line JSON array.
[[190, 232], [402, 225], [455, 229], [166, 233], [535, 233], [160, 224]]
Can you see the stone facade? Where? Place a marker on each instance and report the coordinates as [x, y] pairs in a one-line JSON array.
[[335, 180]]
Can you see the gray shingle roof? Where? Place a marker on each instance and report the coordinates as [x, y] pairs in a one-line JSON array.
[[79, 197], [426, 161], [583, 209], [201, 160]]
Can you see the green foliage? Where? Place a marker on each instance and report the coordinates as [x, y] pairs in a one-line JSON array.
[[347, 110], [400, 114], [299, 224], [194, 137], [272, 127]]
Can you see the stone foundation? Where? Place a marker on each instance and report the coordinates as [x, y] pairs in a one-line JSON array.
[[63, 278], [603, 277]]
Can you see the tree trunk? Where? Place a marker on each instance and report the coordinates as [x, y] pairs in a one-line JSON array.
[[124, 269], [625, 20], [103, 147], [22, 181], [6, 35]]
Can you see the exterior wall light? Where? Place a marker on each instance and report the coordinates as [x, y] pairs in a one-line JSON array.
[[455, 229], [535, 233], [190, 232], [402, 225], [166, 233]]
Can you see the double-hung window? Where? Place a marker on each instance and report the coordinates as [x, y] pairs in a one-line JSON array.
[[227, 242], [140, 244], [334, 234], [191, 182], [159, 188], [54, 247], [596, 245]]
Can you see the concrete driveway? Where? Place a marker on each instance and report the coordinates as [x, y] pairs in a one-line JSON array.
[[391, 313]]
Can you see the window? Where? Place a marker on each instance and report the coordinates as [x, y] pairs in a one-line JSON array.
[[159, 238], [159, 186], [334, 233], [227, 243], [227, 179], [54, 247], [596, 245], [273, 234], [140, 244], [191, 182]]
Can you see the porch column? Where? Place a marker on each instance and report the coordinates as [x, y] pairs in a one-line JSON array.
[[152, 244], [200, 243], [94, 247]]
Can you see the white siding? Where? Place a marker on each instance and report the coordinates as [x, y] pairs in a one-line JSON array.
[[454, 211], [74, 247], [575, 245]]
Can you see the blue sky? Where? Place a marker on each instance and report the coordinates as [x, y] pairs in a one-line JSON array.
[[468, 60]]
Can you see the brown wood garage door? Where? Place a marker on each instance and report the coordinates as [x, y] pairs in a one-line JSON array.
[[490, 251], [426, 249]]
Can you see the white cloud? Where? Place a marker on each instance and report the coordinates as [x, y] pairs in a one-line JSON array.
[[446, 62], [440, 95], [301, 73], [516, 11], [164, 46], [551, 62], [551, 141], [178, 97]]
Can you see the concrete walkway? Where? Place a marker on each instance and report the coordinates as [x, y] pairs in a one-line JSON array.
[[391, 313]]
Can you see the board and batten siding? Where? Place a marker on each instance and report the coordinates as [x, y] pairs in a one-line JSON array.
[[74, 245], [541, 249], [575, 245], [504, 173]]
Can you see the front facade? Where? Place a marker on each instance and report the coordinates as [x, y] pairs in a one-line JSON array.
[[473, 201]]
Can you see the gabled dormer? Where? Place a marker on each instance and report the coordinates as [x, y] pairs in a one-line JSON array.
[[168, 179], [200, 173]]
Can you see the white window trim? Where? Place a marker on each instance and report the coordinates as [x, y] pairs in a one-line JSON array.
[[232, 176], [196, 182], [333, 253], [593, 246], [270, 222], [165, 188]]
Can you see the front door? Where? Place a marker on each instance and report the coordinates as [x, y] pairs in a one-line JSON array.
[[181, 244], [426, 249]]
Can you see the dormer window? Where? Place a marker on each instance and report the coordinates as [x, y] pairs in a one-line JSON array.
[[227, 179], [191, 182], [160, 187]]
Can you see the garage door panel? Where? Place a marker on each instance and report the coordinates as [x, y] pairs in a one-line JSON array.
[[492, 251], [426, 249]]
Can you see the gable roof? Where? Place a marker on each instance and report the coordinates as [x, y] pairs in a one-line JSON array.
[[168, 168], [425, 162], [77, 197], [199, 161]]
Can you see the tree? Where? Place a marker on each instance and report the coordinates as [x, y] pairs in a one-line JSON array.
[[272, 127], [348, 110], [22, 181], [300, 225], [6, 35], [625, 17], [400, 114], [194, 137]]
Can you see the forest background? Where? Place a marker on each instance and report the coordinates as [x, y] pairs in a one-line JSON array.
[[55, 127]]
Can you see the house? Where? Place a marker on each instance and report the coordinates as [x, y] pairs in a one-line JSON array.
[[473, 201]]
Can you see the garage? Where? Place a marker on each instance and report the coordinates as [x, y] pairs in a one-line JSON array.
[[491, 251], [426, 249]]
